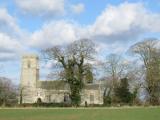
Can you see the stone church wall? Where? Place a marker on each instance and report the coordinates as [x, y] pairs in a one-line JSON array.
[[34, 89]]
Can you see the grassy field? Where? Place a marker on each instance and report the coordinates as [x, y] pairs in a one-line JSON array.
[[81, 114]]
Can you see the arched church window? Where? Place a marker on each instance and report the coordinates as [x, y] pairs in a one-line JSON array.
[[29, 64], [49, 98], [39, 100], [66, 98], [91, 98], [29, 83]]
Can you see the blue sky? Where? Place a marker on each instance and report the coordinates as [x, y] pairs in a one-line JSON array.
[[27, 26]]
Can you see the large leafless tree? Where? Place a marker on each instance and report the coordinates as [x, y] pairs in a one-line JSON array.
[[148, 52], [73, 61], [8, 92], [115, 67]]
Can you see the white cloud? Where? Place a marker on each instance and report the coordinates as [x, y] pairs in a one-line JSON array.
[[10, 48], [8, 23], [10, 37], [116, 24], [78, 8], [54, 33], [115, 19], [127, 19], [41, 7]]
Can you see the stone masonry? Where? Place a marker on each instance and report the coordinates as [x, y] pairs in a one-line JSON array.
[[51, 91]]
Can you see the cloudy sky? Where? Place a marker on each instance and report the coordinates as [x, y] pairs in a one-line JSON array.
[[27, 26]]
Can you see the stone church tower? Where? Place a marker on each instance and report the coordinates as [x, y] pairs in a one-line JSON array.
[[29, 77], [30, 71]]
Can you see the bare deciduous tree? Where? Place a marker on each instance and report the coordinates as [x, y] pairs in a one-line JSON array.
[[8, 92], [148, 52], [115, 67], [72, 59]]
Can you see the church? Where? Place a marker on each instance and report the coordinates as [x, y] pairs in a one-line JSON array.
[[51, 91]]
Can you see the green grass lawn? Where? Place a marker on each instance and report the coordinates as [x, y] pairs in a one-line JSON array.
[[81, 114]]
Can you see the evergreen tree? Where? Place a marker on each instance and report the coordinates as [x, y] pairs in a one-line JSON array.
[[122, 91]]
